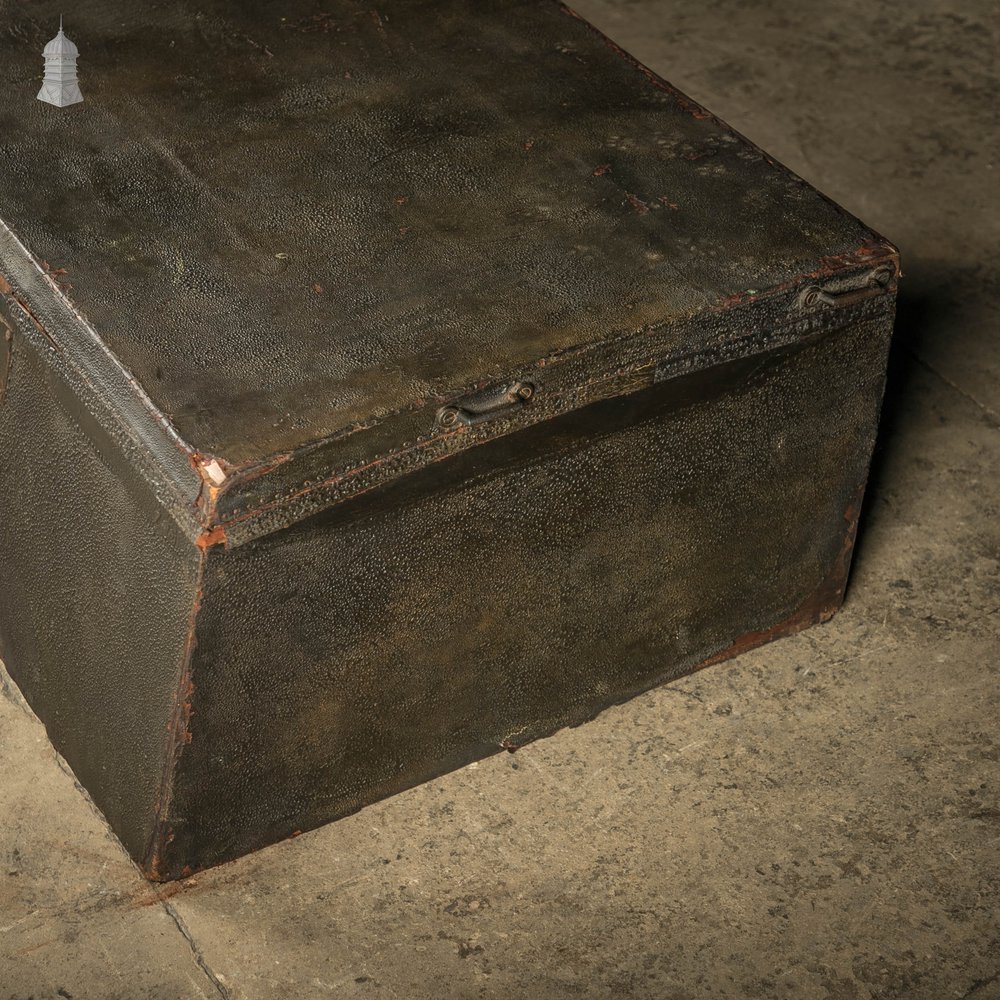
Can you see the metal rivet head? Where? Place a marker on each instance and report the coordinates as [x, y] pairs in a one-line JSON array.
[[811, 297], [447, 416], [882, 275]]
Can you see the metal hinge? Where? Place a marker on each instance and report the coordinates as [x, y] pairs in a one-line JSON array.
[[486, 403], [875, 282]]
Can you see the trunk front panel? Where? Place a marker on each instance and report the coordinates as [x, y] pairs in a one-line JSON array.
[[519, 587]]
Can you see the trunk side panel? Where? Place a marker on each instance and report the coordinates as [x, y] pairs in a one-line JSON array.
[[96, 587]]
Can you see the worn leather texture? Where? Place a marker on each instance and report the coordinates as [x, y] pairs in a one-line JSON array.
[[285, 220], [252, 576], [519, 587], [97, 585]]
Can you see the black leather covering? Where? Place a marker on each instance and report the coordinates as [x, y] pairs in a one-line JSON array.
[[383, 387]]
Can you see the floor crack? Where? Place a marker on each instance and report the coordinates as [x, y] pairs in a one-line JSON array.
[[223, 990], [687, 694], [989, 411], [980, 984]]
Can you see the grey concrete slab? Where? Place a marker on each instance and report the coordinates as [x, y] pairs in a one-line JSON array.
[[817, 819], [76, 918]]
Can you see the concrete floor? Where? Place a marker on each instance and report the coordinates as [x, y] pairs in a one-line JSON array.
[[816, 819]]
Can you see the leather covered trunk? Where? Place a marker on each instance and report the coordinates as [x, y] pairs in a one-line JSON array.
[[383, 387]]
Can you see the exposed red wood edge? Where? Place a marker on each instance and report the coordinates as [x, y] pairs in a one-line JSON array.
[[215, 535], [178, 735], [820, 606], [207, 500], [7, 348], [245, 473], [6, 289]]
